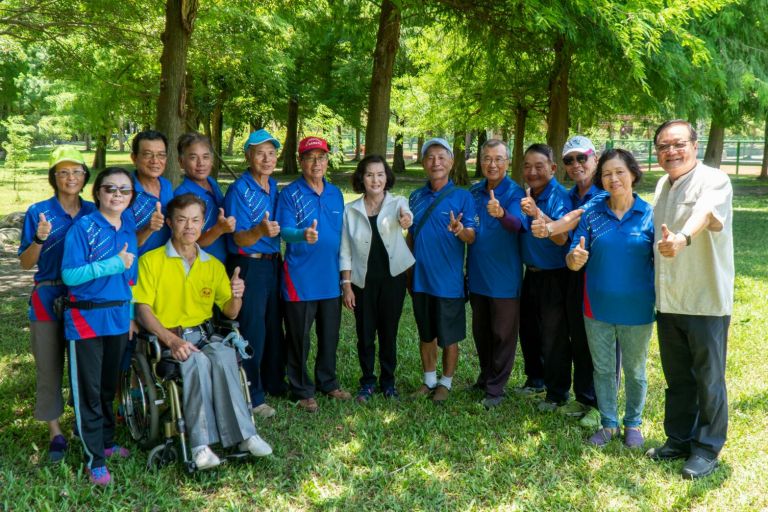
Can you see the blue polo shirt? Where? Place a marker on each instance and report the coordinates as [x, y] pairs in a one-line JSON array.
[[619, 272], [592, 193], [494, 267], [214, 200], [439, 268], [543, 253], [144, 206], [247, 201], [49, 262], [311, 271], [92, 239]]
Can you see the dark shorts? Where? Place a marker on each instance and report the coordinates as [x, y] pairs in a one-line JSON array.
[[436, 317]]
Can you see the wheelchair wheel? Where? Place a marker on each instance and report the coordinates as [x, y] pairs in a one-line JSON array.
[[139, 400], [162, 455]]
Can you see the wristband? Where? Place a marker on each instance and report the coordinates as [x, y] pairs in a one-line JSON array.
[[687, 238], [345, 281], [38, 240], [549, 229]]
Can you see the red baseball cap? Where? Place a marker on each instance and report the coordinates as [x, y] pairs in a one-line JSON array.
[[310, 143]]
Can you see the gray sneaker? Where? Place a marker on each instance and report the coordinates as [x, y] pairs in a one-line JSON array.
[[491, 402], [530, 391]]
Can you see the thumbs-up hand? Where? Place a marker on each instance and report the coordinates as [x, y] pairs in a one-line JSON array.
[[158, 219], [528, 205], [237, 284], [578, 255], [126, 256], [43, 228], [269, 228], [224, 223], [310, 234], [494, 207], [670, 243], [455, 226], [406, 219], [539, 228]]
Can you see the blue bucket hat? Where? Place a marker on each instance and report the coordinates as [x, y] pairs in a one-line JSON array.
[[437, 141], [259, 137]]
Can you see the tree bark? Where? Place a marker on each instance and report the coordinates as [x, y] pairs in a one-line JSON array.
[[516, 166], [231, 141], [341, 141], [121, 134], [100, 156], [357, 144], [482, 137], [387, 43], [557, 116], [171, 103], [217, 130], [713, 155], [290, 166], [398, 161], [459, 170], [419, 144], [764, 166], [87, 141]]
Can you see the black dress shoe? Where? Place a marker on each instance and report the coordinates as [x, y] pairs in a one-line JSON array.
[[666, 452], [697, 466]]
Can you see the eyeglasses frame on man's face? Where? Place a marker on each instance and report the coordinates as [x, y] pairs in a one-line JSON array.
[[676, 146], [580, 158], [499, 161], [149, 155]]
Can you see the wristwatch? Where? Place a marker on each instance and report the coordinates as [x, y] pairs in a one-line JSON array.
[[687, 238], [549, 229]]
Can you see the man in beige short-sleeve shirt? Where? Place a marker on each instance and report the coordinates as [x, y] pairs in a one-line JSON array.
[[694, 274]]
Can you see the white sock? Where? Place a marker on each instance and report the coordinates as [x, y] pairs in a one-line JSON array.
[[430, 379], [446, 381], [198, 449]]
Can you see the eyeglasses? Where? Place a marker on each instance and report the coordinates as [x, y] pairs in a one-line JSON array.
[[148, 155], [315, 159], [663, 148], [581, 158], [498, 161], [69, 173], [113, 189]]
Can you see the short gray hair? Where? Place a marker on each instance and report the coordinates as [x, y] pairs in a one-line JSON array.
[[492, 143]]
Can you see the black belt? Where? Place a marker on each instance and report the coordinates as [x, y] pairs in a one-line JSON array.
[[52, 282], [262, 255], [87, 304]]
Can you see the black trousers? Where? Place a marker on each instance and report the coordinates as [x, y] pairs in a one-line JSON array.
[[544, 331], [378, 307], [495, 325], [95, 363], [260, 324], [299, 317], [693, 352], [583, 386]]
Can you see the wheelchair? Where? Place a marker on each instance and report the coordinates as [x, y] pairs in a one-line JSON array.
[[151, 396]]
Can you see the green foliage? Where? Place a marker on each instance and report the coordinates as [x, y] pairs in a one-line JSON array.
[[17, 145]]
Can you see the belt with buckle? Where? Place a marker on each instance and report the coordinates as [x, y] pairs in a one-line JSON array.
[[263, 255]]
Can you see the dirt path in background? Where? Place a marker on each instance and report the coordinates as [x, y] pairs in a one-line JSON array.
[[14, 282]]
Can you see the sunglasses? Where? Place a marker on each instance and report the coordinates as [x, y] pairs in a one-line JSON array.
[[582, 159], [113, 189]]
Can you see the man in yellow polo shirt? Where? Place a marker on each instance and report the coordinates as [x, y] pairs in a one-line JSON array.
[[174, 298]]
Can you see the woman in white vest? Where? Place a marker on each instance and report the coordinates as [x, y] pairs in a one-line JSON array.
[[373, 261]]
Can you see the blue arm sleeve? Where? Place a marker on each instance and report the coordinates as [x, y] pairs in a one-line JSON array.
[[292, 235], [91, 271]]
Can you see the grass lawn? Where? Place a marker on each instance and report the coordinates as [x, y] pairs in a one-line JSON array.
[[410, 455]]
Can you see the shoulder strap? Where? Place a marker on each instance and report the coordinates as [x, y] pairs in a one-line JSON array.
[[429, 211]]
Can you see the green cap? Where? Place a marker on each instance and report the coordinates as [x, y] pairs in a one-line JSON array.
[[65, 154]]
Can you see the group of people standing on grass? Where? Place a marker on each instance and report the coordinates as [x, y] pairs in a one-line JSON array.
[[580, 275]]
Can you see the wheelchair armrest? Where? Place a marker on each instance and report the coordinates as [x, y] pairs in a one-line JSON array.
[[154, 349], [226, 323]]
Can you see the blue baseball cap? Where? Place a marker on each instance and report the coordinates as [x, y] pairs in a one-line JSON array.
[[437, 141], [259, 137]]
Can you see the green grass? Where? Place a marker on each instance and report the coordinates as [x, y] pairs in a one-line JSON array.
[[413, 456]]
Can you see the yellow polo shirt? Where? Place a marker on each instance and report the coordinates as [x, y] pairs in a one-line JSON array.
[[181, 295]]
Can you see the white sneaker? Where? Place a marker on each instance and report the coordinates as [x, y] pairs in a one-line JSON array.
[[264, 411], [205, 459], [256, 445]]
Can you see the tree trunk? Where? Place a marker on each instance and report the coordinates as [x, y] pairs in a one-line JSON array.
[[419, 144], [257, 123], [357, 144], [482, 137], [171, 103], [557, 116], [713, 156], [290, 166], [100, 156], [87, 141], [764, 166], [387, 42], [231, 141], [516, 166], [121, 134], [459, 170], [207, 125], [341, 141], [398, 161], [217, 129]]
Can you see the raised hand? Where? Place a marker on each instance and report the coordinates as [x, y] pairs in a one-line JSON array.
[[406, 219], [43, 227], [126, 256], [539, 228], [494, 207], [528, 205], [579, 254], [236, 284], [670, 243], [158, 219], [310, 234], [455, 226], [225, 224], [269, 228]]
